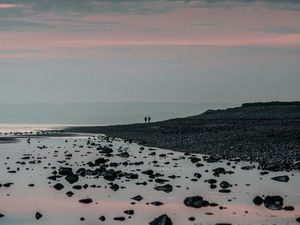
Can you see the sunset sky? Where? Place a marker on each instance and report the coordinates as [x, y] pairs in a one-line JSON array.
[[149, 51]]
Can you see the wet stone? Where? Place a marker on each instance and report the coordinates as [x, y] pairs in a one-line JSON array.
[[72, 178], [258, 200], [58, 186], [120, 218], [137, 198], [86, 200], [281, 178], [102, 218], [38, 215], [161, 220], [195, 202], [157, 203], [165, 188], [129, 212], [273, 202]]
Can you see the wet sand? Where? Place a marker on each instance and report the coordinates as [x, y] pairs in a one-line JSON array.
[[102, 180]]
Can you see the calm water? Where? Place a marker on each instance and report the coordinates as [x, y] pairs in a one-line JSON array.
[[100, 113], [20, 202]]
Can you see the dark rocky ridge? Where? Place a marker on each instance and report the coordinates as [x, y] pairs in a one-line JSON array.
[[268, 133]]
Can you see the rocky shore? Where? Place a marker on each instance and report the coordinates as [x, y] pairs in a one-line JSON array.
[[267, 133]]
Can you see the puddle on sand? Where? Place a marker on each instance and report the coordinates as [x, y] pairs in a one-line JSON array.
[[20, 202]]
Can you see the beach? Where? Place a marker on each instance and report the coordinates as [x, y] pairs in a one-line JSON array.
[[84, 179], [267, 133]]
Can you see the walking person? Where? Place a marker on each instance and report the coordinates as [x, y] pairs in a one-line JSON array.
[[145, 119], [149, 119]]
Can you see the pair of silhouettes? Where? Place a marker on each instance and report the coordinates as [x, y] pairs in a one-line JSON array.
[[147, 119]]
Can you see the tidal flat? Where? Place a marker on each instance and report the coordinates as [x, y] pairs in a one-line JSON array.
[[94, 179]]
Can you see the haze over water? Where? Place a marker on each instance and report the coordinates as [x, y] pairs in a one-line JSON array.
[[99, 113]]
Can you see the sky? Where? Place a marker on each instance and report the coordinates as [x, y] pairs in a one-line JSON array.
[[60, 51]]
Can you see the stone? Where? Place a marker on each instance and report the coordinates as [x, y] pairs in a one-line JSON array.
[[195, 202], [161, 220]]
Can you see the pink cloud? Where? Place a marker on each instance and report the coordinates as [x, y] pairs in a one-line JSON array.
[[7, 6]]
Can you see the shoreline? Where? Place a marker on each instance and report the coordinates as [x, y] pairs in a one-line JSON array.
[[266, 133]]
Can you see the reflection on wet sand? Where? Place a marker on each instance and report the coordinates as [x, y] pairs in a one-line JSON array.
[[112, 172]]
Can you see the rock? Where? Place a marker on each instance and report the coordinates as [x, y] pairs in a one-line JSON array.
[[289, 208], [166, 188], [137, 198], [114, 187], [38, 215], [162, 220], [258, 200], [1, 215], [102, 218], [120, 218], [273, 202], [58, 186], [225, 185], [129, 212], [69, 193], [281, 178], [65, 171], [298, 219], [192, 218], [72, 178], [195, 202], [157, 203], [247, 167], [86, 201]]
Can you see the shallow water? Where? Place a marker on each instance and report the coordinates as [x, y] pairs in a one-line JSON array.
[[20, 202]]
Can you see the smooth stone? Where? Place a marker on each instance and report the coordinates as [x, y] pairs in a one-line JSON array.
[[195, 202], [258, 200], [86, 201], [273, 202], [58, 186], [38, 215], [166, 188], [281, 178], [161, 220]]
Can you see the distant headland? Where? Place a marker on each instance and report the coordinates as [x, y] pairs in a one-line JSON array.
[[264, 132]]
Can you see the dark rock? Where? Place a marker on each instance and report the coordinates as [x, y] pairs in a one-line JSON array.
[[225, 185], [114, 187], [65, 171], [195, 202], [258, 200], [38, 215], [69, 193], [58, 186], [166, 188], [157, 203], [137, 198], [281, 178], [120, 218], [289, 208], [72, 178], [247, 167], [273, 202], [129, 212], [102, 218], [161, 220], [86, 200]]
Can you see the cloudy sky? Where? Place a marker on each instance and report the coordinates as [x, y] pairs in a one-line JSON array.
[[149, 51]]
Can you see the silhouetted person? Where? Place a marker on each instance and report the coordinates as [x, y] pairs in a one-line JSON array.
[[149, 119], [145, 119]]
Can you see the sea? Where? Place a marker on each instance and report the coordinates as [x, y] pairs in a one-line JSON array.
[[37, 116]]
